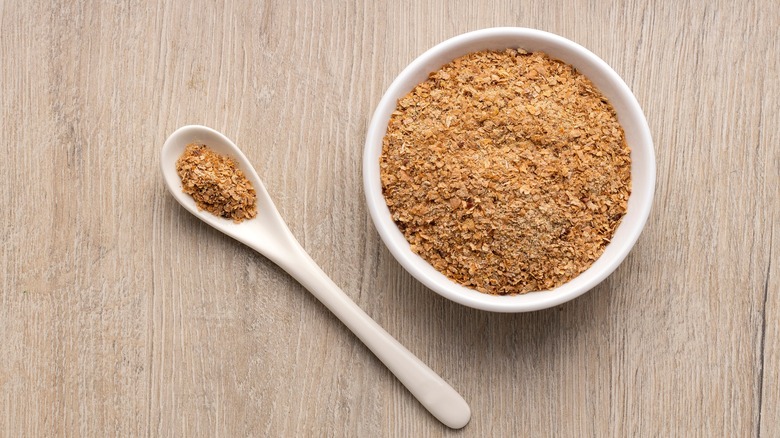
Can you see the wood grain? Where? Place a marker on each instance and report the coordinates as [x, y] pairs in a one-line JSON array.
[[122, 315]]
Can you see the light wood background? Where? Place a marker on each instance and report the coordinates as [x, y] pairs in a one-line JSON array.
[[122, 315]]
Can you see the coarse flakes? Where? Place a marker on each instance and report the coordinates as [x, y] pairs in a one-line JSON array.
[[216, 184], [507, 171]]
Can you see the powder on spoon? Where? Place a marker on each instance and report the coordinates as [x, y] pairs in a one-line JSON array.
[[216, 183]]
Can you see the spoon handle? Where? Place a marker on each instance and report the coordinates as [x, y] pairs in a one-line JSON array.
[[429, 388]]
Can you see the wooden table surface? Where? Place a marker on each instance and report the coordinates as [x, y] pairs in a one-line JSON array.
[[123, 315]]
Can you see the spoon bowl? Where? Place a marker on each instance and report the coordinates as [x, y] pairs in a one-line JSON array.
[[268, 234]]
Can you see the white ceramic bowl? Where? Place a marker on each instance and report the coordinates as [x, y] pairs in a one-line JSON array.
[[629, 114]]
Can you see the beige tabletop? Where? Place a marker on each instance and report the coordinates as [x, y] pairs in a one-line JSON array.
[[123, 315]]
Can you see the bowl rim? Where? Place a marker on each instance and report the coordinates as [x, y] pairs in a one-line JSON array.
[[412, 262]]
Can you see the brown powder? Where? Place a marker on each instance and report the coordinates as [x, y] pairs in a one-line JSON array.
[[216, 184], [507, 171]]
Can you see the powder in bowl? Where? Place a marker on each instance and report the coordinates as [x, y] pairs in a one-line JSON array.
[[507, 171], [216, 184]]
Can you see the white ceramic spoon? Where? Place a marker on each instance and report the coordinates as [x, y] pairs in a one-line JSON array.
[[268, 234]]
